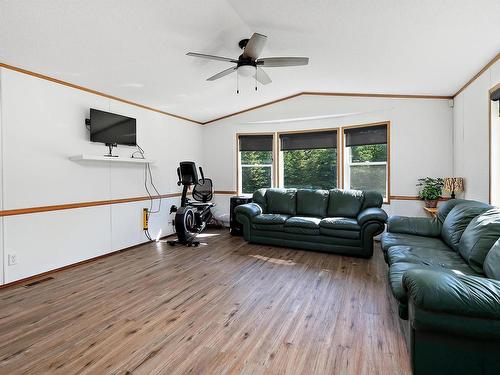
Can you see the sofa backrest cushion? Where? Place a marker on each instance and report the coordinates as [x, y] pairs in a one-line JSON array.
[[372, 199], [458, 219], [259, 197], [445, 207], [281, 201], [492, 262], [478, 238], [312, 202], [345, 203]]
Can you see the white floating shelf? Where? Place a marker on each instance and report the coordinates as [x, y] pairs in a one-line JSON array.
[[119, 159]]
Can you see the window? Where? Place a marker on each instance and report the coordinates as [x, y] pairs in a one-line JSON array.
[[308, 160], [255, 160], [366, 158]]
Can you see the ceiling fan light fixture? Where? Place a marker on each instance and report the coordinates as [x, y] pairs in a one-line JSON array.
[[246, 70]]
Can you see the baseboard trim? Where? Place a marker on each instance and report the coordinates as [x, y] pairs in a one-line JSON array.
[[38, 276]]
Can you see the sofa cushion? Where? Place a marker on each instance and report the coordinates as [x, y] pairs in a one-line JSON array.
[[389, 239], [457, 220], [445, 208], [274, 222], [341, 233], [345, 203], [281, 201], [492, 262], [478, 238], [372, 199], [344, 223], [428, 257], [312, 202], [397, 271], [259, 197], [303, 225]]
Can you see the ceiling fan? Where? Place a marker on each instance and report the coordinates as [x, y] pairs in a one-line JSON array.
[[249, 63]]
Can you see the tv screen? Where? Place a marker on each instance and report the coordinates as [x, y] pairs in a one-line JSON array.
[[111, 128]]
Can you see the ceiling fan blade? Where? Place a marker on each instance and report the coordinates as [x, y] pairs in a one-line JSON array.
[[223, 73], [211, 57], [271, 62], [262, 77], [255, 45]]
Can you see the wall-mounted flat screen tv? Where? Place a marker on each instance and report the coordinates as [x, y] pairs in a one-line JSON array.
[[111, 128]]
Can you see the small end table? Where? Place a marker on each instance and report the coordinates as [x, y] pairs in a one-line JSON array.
[[431, 211]]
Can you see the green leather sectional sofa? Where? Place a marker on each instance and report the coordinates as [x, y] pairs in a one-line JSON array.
[[335, 221], [445, 274]]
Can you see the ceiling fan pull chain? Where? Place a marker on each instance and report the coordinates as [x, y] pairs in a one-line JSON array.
[[237, 83], [255, 77]]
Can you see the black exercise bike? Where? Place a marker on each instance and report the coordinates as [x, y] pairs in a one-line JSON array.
[[192, 216]]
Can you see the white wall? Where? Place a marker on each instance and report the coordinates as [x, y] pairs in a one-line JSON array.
[[42, 124], [495, 153], [421, 138], [471, 134]]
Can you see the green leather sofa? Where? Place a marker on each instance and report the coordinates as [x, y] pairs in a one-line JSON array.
[[445, 275], [335, 221]]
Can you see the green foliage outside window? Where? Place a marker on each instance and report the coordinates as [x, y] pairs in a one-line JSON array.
[[310, 169], [255, 177], [373, 153]]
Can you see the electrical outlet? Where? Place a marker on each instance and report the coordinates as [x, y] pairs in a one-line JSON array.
[[12, 259]]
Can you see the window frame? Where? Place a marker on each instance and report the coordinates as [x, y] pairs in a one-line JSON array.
[[346, 157], [280, 159], [239, 166]]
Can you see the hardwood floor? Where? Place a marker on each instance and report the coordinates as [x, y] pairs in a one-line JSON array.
[[226, 307]]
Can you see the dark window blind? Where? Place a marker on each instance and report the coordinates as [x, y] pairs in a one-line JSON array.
[[370, 135], [256, 142], [308, 141]]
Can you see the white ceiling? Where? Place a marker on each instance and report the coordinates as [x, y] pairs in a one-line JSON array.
[[135, 49]]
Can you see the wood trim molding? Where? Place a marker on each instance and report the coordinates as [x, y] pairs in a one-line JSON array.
[[413, 198], [478, 74], [314, 93], [95, 92], [225, 192], [69, 206]]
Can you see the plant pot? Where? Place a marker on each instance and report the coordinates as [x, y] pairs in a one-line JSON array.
[[431, 203]]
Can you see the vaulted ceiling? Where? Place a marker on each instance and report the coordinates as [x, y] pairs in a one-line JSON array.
[[136, 49]]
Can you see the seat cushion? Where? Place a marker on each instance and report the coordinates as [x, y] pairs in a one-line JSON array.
[[457, 220], [312, 202], [303, 225], [281, 201], [397, 270], [478, 238], [428, 257], [344, 223], [341, 233], [344, 203], [389, 239], [273, 222]]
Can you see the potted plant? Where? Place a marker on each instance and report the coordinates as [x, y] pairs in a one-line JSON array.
[[430, 190]]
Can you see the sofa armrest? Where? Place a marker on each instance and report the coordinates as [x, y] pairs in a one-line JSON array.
[[249, 210], [419, 226], [449, 301], [372, 214]]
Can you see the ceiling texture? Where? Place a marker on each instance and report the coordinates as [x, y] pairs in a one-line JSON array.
[[136, 49]]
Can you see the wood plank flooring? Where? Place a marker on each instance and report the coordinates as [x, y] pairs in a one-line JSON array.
[[226, 307]]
